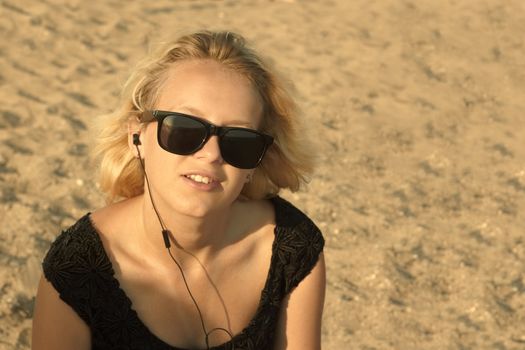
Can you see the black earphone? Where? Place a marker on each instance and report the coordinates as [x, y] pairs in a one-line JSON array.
[[165, 235], [136, 139]]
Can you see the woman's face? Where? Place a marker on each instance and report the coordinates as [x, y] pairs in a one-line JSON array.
[[202, 182]]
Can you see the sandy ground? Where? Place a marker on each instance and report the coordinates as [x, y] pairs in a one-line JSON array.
[[418, 111]]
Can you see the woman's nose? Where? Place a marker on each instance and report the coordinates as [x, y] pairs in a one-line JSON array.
[[210, 151]]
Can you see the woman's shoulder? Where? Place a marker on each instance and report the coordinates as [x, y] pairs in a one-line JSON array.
[[298, 243], [75, 252], [288, 216], [295, 231], [72, 241], [82, 245], [82, 237]]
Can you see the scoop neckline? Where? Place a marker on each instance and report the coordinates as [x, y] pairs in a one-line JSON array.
[[264, 291]]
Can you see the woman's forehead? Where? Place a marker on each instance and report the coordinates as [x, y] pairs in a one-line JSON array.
[[212, 89]]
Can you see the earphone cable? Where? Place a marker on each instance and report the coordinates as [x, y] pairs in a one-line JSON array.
[[165, 233], [164, 230]]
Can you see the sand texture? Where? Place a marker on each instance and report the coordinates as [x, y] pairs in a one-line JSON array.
[[416, 107]]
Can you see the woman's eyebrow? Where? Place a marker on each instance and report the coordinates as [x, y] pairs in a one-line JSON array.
[[191, 110], [240, 123], [197, 113]]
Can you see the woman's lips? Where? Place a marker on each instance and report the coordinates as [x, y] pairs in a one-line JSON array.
[[201, 181], [200, 178]]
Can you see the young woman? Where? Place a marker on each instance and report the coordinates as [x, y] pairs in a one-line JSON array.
[[195, 249]]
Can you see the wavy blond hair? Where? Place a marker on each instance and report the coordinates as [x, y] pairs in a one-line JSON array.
[[287, 163]]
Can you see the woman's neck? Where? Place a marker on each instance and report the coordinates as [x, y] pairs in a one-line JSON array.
[[202, 236]]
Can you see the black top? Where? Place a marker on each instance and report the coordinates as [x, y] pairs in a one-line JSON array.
[[80, 270]]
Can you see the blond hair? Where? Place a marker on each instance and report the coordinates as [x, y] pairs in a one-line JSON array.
[[287, 162]]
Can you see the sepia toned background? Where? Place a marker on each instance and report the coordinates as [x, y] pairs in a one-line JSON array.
[[416, 108]]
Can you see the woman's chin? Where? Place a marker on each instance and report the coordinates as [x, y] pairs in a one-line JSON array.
[[199, 207]]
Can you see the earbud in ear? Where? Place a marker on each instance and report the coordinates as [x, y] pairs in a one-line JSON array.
[[136, 139]]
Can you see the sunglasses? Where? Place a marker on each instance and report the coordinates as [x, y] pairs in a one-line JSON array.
[[184, 134]]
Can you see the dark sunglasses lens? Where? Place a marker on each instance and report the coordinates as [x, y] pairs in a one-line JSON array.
[[242, 148], [181, 135]]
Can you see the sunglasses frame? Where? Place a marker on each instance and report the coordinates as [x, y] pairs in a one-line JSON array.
[[211, 130]]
